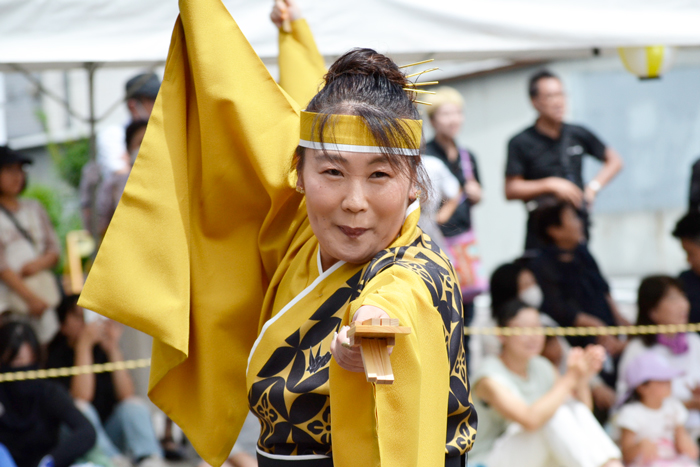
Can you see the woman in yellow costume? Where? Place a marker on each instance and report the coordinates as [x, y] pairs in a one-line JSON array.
[[245, 274]]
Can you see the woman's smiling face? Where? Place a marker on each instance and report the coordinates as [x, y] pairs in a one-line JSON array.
[[356, 203]]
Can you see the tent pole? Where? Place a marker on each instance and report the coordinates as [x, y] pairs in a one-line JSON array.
[[92, 120]]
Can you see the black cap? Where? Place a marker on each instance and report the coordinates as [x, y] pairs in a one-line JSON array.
[[688, 226], [8, 156], [144, 85]]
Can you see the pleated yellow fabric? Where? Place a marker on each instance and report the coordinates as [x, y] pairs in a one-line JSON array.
[[203, 223], [301, 64], [210, 242]]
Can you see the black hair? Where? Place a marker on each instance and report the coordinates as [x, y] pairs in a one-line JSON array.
[[549, 214], [370, 85], [533, 85], [688, 227], [12, 335], [651, 291], [507, 311], [68, 303], [132, 129], [503, 285]]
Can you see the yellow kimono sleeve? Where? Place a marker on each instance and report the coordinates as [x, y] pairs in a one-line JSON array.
[[301, 64], [205, 219], [402, 424]]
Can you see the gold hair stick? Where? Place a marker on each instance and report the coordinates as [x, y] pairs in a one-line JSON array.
[[419, 91], [427, 83], [417, 63], [421, 72], [421, 102]]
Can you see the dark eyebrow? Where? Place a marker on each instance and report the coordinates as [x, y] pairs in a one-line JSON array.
[[331, 157], [338, 159], [379, 160]]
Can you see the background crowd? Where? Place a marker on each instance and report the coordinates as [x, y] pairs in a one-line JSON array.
[[577, 401], [580, 400]]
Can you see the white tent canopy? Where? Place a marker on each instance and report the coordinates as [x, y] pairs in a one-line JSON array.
[[44, 34]]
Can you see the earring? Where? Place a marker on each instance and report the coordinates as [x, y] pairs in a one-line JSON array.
[[418, 193], [300, 189]]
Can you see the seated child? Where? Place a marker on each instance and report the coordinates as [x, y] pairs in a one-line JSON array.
[[652, 422]]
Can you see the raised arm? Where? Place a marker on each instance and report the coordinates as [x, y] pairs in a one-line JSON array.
[[533, 416], [205, 219], [301, 64]]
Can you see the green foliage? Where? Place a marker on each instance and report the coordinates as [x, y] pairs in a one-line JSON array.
[[69, 157], [73, 156], [49, 198]]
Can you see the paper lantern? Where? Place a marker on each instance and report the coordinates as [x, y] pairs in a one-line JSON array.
[[647, 62]]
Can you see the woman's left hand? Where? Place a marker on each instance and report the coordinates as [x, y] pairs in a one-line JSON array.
[[111, 334], [350, 357], [594, 356], [472, 189], [31, 268]]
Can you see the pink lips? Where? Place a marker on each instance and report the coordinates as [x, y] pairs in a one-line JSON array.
[[350, 232]]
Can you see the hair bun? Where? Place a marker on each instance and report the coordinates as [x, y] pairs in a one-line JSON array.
[[367, 63]]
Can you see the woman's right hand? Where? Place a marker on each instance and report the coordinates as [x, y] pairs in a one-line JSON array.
[[36, 306], [583, 364], [595, 358], [350, 357], [91, 334]]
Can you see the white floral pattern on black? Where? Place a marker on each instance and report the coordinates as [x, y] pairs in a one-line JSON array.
[[296, 375]]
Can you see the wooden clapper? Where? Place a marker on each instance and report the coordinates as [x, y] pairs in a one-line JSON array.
[[375, 336]]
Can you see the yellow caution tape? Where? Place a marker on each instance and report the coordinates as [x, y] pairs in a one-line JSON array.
[[473, 331], [75, 370], [584, 330]]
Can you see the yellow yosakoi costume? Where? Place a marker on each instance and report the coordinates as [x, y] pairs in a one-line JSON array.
[[210, 251]]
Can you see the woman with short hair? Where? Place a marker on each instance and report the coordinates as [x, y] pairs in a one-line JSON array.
[[28, 251]]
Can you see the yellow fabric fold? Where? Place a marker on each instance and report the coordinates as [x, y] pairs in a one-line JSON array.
[[204, 237], [197, 235], [301, 64]]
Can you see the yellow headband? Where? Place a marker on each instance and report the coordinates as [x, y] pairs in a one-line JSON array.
[[349, 133]]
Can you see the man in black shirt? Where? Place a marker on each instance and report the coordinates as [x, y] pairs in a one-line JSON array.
[[688, 232], [546, 159]]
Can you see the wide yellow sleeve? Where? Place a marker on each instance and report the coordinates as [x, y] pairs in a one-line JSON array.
[[402, 424], [206, 217], [301, 64]]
